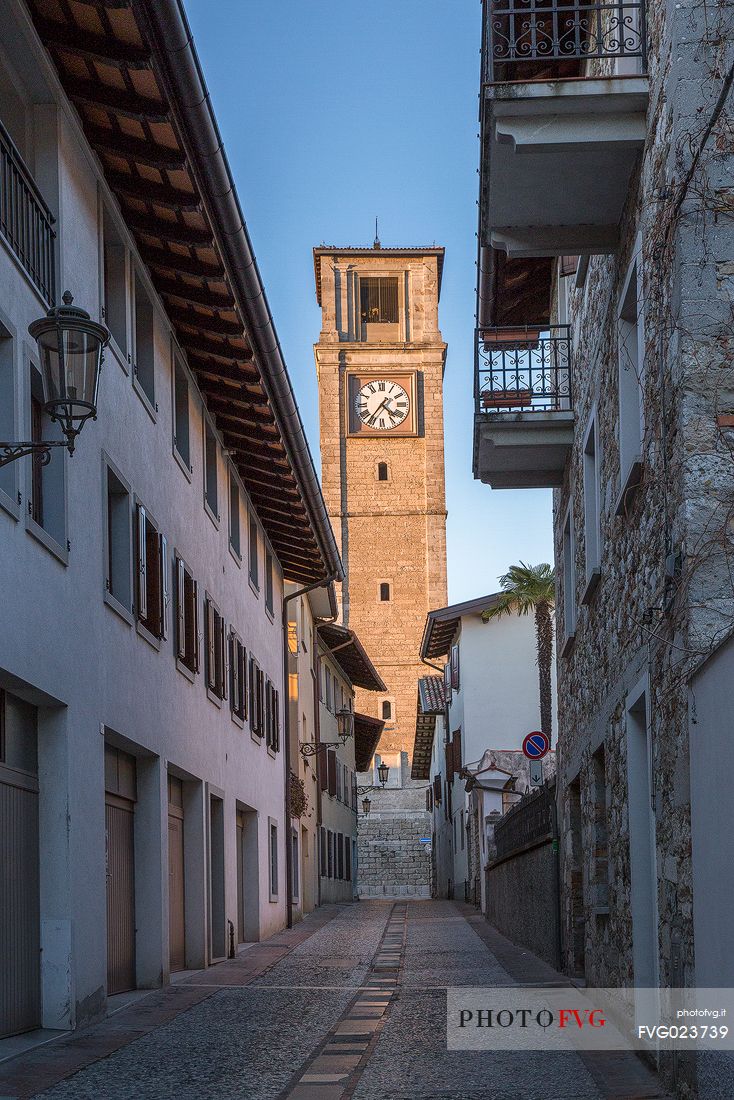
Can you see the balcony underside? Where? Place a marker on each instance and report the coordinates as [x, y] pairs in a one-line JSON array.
[[516, 450], [557, 162]]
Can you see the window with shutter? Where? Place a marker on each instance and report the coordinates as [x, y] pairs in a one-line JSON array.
[[322, 853], [187, 617], [152, 589], [260, 702], [253, 695], [457, 750], [330, 852], [437, 789], [378, 297], [447, 682], [455, 667], [237, 677], [216, 649]]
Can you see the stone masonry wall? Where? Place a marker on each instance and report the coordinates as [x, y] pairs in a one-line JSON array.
[[651, 615], [391, 861], [393, 530]]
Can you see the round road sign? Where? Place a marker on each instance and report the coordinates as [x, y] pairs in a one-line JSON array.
[[536, 745]]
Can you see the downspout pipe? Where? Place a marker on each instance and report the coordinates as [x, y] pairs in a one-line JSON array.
[[177, 65], [323, 582]]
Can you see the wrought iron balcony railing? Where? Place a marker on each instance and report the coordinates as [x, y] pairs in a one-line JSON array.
[[523, 370], [542, 39], [26, 223]]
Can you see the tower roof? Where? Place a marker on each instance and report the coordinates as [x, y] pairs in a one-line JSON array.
[[350, 250]]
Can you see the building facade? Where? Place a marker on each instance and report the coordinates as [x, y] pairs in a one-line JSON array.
[[380, 361], [143, 770], [347, 742], [305, 611], [491, 700], [604, 371]]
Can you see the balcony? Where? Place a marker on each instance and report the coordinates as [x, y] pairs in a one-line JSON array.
[[26, 223], [523, 406], [564, 100]]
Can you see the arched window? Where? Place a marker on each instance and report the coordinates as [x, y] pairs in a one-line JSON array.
[[384, 592], [386, 710], [382, 471]]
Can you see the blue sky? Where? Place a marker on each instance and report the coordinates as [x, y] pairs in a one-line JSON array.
[[333, 112]]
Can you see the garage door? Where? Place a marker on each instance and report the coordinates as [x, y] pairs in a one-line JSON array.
[[20, 948], [120, 855]]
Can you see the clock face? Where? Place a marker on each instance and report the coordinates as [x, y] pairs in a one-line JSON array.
[[382, 404]]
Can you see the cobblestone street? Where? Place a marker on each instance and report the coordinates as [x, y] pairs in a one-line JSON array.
[[350, 1003]]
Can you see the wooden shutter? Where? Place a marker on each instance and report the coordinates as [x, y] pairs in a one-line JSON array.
[[253, 697], [197, 648], [243, 679], [569, 265], [234, 672], [260, 700], [331, 758], [142, 564], [323, 770], [447, 681], [221, 640], [455, 667], [276, 720], [180, 608], [210, 644], [164, 585], [457, 750], [437, 789]]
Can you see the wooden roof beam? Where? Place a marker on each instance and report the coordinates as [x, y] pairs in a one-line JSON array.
[[116, 100], [142, 190], [174, 231], [117, 144], [197, 295], [95, 47], [181, 265]]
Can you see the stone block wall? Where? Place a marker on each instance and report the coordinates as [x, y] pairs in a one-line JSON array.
[[521, 896], [391, 861]]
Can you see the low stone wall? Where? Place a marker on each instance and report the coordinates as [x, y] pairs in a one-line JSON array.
[[522, 903], [391, 861]]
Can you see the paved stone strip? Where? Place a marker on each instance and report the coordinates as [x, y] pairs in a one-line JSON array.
[[617, 1074], [34, 1071], [333, 1071]]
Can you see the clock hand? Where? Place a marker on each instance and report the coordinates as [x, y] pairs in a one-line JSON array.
[[379, 409]]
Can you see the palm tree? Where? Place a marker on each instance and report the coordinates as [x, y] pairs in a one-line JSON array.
[[529, 588]]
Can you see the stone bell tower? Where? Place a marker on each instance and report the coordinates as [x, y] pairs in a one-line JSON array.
[[380, 362]]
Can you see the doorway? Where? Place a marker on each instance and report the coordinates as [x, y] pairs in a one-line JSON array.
[[176, 879], [643, 857], [20, 954], [120, 797]]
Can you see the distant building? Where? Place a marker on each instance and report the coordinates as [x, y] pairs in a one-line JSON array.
[[484, 704], [380, 359], [348, 741]]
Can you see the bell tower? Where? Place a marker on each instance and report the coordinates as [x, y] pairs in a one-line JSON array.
[[380, 361]]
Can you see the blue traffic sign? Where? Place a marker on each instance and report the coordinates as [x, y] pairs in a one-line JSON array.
[[536, 745]]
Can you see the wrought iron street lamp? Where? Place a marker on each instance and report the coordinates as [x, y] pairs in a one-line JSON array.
[[383, 770], [345, 724], [366, 805], [71, 348]]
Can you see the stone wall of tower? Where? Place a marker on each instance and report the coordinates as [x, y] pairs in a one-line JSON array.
[[392, 530]]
